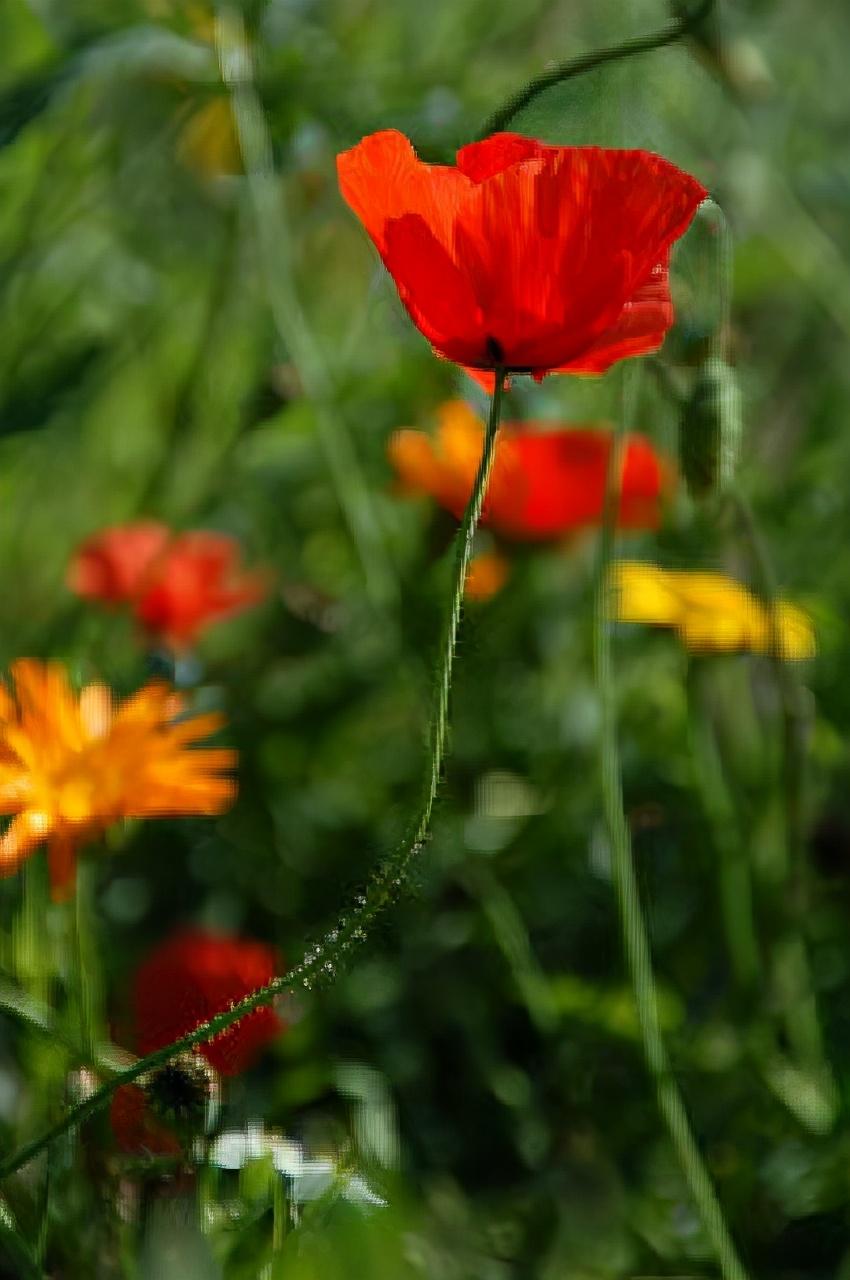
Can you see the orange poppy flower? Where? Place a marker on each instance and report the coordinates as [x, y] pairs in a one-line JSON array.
[[71, 765], [544, 484], [534, 258], [177, 585], [191, 977]]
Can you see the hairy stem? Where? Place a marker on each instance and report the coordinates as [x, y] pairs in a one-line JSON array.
[[635, 938], [590, 61], [323, 958]]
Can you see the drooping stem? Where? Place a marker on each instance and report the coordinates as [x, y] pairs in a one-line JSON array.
[[383, 886], [635, 938], [591, 61]]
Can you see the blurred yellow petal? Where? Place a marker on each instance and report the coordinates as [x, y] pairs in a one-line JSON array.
[[642, 593], [710, 612]]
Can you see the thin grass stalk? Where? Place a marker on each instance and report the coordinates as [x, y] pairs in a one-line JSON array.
[[635, 937], [735, 888], [275, 252]]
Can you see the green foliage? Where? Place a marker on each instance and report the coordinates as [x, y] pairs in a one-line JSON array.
[[477, 1067]]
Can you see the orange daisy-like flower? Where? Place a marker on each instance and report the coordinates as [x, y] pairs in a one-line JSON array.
[[546, 482], [176, 584], [72, 765], [522, 256]]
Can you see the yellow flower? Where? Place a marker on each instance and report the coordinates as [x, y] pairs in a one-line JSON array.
[[71, 765], [710, 612]]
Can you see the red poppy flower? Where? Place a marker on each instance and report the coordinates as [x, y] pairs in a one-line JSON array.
[[135, 1126], [195, 975], [112, 565], [176, 585], [198, 582], [545, 482], [533, 258]]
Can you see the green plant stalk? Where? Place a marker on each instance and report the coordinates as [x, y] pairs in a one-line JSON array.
[[735, 881], [280, 1216], [275, 252], [635, 938], [31, 959], [82, 960], [791, 964], [320, 961], [590, 62]]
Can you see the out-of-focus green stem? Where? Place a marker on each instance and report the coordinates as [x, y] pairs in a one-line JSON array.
[[83, 960], [635, 938], [791, 970], [735, 881], [384, 885], [275, 249]]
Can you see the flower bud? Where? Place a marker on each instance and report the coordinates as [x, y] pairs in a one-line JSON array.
[[710, 429]]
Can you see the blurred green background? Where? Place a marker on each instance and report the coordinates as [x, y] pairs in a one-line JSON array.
[[183, 342]]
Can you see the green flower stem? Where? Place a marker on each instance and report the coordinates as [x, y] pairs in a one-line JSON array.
[[32, 958], [321, 960], [735, 881], [280, 1223], [792, 973], [83, 978], [635, 938], [590, 61]]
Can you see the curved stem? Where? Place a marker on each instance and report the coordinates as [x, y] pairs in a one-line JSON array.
[[635, 937], [590, 61], [322, 958]]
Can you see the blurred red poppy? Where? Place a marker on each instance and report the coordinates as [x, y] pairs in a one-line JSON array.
[[546, 483], [199, 581], [176, 584], [533, 258], [136, 1127], [193, 976], [113, 565]]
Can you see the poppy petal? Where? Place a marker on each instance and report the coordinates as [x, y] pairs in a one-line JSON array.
[[382, 179], [641, 328], [480, 160], [433, 289]]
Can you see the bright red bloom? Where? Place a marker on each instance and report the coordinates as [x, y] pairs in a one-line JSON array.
[[198, 582], [195, 975], [536, 258], [112, 566], [135, 1126], [545, 482], [176, 584]]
